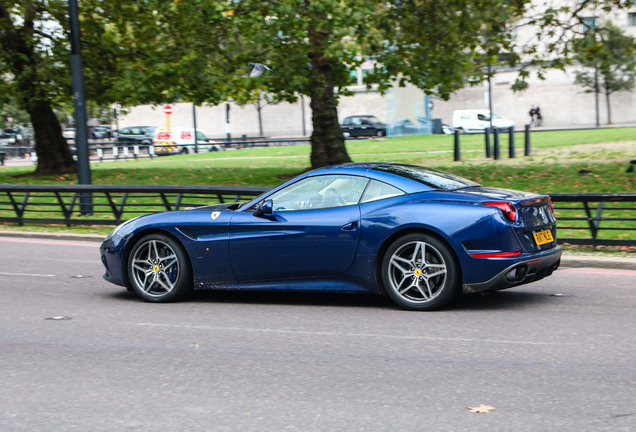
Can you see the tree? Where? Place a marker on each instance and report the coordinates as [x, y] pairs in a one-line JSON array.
[[609, 58], [437, 46], [159, 51], [31, 49], [312, 47], [134, 52]]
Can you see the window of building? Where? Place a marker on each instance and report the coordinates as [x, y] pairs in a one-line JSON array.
[[631, 18], [589, 23]]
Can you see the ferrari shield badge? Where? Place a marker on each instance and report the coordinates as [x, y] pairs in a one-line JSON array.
[[215, 215]]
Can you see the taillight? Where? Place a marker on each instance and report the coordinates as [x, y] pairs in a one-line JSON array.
[[506, 208], [551, 205], [496, 254]]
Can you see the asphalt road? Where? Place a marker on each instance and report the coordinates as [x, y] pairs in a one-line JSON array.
[[556, 355]]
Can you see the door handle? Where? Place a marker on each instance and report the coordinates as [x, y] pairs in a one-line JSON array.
[[350, 226]]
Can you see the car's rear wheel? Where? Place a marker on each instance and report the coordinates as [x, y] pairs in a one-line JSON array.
[[379, 133], [159, 269], [419, 272]]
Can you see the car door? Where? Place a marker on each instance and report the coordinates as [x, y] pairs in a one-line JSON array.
[[349, 126], [313, 231]]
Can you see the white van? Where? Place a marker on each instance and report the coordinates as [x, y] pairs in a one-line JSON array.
[[169, 141], [478, 120]]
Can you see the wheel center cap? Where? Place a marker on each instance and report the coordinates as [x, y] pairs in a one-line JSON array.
[[155, 269], [418, 272]]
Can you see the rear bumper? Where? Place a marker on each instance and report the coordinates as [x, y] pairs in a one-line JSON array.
[[520, 272]]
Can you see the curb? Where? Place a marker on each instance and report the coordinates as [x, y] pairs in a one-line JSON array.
[[567, 260], [607, 262], [54, 236]]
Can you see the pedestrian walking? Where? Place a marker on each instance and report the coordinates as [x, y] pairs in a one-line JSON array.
[[533, 113], [537, 112]]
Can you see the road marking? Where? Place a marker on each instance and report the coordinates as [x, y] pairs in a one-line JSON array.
[[49, 242], [600, 271], [354, 335], [26, 274]]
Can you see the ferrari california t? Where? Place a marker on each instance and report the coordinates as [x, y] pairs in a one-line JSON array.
[[420, 236]]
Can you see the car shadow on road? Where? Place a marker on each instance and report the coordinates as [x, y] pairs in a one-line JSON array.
[[293, 298], [500, 300]]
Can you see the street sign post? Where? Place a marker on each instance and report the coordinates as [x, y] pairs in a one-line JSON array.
[[167, 110]]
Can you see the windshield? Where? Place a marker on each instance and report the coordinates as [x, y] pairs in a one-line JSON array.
[[430, 177]]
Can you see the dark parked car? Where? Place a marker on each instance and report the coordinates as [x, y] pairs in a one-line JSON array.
[[136, 135], [363, 126], [417, 235]]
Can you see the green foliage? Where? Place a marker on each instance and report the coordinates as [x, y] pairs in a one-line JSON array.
[[34, 48], [158, 51], [613, 53]]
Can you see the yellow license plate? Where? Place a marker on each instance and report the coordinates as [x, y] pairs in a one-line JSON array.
[[543, 237]]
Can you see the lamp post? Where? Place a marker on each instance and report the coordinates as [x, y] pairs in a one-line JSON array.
[[194, 121], [490, 92], [79, 103]]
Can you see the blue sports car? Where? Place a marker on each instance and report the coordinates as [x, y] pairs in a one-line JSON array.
[[418, 235]]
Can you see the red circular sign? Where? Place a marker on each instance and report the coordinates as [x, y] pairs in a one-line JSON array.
[[167, 110]]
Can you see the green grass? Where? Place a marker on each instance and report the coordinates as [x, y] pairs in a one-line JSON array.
[[553, 167]]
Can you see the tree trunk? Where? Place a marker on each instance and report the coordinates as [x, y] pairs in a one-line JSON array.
[[327, 141], [54, 155], [609, 108]]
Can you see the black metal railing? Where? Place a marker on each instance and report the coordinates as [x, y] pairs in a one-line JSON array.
[[606, 218], [100, 151], [108, 204], [610, 214]]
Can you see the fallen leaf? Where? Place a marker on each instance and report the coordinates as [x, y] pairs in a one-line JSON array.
[[481, 409]]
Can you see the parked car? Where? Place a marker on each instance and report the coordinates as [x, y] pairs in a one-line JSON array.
[[15, 141], [101, 132], [69, 133], [136, 135], [477, 120], [363, 125], [407, 127], [18, 137], [169, 141], [418, 235]]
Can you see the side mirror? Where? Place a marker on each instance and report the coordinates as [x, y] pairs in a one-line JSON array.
[[264, 208]]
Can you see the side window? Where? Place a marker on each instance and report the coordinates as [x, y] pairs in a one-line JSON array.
[[125, 131], [378, 190], [482, 117], [320, 192]]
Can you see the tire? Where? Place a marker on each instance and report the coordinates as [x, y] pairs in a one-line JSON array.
[[380, 133], [159, 269], [184, 151], [420, 272]]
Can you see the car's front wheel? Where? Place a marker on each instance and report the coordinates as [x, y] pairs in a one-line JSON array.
[[419, 272], [159, 269]]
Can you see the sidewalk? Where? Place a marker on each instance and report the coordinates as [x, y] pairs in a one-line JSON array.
[[568, 260]]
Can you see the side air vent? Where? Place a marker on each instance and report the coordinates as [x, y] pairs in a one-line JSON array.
[[187, 233]]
